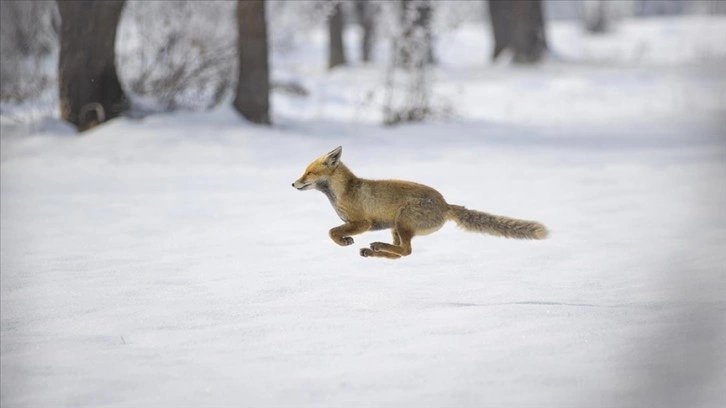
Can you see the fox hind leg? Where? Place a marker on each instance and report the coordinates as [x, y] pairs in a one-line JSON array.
[[367, 252], [403, 248], [421, 218]]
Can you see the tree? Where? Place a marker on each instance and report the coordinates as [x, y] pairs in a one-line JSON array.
[[336, 49], [89, 89], [595, 16], [365, 13], [253, 86], [415, 16], [518, 25], [409, 99]]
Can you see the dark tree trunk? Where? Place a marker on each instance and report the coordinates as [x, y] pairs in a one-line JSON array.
[[336, 49], [416, 18], [253, 86], [519, 25], [89, 89], [366, 18], [528, 39], [500, 16]]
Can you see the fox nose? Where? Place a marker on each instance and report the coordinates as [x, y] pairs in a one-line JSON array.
[[293, 184]]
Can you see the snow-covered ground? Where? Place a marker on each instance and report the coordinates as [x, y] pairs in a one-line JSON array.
[[168, 262]]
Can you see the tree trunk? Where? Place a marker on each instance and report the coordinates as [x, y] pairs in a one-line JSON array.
[[365, 13], [336, 49], [519, 25], [500, 16], [528, 38], [595, 16], [89, 89], [416, 18], [253, 86]]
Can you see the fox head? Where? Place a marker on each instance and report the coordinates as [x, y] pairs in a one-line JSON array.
[[320, 170]]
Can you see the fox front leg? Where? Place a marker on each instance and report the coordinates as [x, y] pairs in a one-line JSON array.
[[341, 235]]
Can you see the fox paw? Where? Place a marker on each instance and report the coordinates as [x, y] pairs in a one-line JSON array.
[[366, 252], [344, 241]]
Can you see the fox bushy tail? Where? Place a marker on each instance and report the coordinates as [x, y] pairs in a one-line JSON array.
[[478, 221]]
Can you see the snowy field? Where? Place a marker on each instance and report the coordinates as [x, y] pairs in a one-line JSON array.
[[168, 262]]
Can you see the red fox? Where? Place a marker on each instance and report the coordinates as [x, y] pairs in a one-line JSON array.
[[408, 209]]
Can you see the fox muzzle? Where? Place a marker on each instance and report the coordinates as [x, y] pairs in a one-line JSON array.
[[300, 185]]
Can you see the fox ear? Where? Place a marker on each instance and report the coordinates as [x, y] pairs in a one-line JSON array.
[[333, 158]]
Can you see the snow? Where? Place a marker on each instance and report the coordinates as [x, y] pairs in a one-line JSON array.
[[166, 261]]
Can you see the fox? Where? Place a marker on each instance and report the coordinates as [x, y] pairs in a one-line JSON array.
[[408, 209]]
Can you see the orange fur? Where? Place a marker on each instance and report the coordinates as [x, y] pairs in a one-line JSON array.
[[408, 209]]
